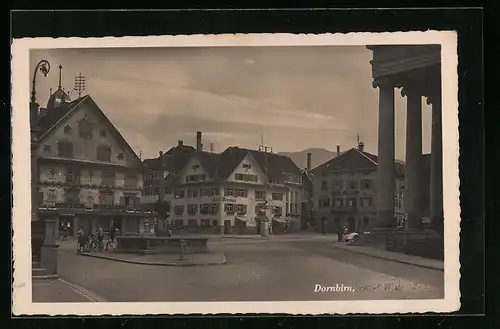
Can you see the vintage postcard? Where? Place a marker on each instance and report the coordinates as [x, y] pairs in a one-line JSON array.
[[259, 173]]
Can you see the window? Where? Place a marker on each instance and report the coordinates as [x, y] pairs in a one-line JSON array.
[[277, 196], [108, 177], [104, 153], [156, 191], [324, 185], [365, 201], [351, 202], [149, 175], [119, 156], [205, 208], [168, 190], [195, 178], [228, 208], [205, 223], [260, 195], [130, 180], [241, 209], [102, 132], [192, 193], [85, 128], [323, 203], [192, 223], [242, 193], [278, 211], [338, 202], [69, 176], [192, 209], [65, 149], [67, 130], [106, 198], [214, 208], [367, 184], [179, 210], [179, 223], [246, 177], [338, 184], [47, 148], [215, 222], [296, 209], [229, 192], [353, 184], [179, 194], [73, 197]]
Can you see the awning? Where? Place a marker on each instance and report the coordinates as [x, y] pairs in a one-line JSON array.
[[280, 220]]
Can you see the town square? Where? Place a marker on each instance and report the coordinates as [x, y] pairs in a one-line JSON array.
[[237, 174]]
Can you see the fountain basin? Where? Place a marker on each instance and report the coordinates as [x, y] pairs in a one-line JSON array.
[[160, 245]]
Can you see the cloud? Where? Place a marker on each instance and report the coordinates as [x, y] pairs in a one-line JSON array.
[[298, 97]]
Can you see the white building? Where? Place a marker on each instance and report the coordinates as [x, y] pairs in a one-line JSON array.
[[224, 192]]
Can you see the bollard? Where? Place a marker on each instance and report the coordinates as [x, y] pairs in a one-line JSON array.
[[183, 246]]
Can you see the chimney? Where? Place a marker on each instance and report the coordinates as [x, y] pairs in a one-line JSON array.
[[338, 150], [161, 154], [361, 147], [199, 145], [308, 161], [180, 143]]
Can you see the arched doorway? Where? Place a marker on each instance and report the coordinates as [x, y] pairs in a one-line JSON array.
[[351, 224]]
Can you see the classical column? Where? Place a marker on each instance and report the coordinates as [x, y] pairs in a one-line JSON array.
[[385, 171], [436, 179], [413, 170]]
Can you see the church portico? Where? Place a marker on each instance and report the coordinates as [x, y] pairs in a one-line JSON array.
[[416, 70]]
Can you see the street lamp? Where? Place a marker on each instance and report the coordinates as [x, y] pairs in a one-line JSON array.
[[44, 67]]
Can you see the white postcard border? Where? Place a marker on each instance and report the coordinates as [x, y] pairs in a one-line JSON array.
[[22, 287]]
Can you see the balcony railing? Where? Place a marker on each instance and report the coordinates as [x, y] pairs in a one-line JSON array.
[[114, 207]]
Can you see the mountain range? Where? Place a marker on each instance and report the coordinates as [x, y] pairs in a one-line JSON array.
[[318, 156]]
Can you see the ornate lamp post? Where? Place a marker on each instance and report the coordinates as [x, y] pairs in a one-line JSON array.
[[44, 67]]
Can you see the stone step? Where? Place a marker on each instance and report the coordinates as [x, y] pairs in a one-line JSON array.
[[42, 274]]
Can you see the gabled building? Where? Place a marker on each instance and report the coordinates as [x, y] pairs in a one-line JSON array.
[[224, 192], [344, 190], [87, 173]]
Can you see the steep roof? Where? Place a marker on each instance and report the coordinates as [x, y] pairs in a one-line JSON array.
[[277, 165], [352, 159], [172, 158], [54, 117]]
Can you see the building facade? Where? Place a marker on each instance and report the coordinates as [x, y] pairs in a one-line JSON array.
[[87, 173], [344, 190], [230, 192]]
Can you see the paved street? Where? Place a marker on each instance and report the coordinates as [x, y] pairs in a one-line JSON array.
[[257, 270]]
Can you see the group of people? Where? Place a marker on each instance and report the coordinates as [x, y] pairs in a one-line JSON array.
[[84, 237]]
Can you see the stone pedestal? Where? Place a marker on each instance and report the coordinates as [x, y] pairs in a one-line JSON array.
[[48, 259]]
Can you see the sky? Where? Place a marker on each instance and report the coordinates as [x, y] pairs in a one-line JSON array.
[[293, 98]]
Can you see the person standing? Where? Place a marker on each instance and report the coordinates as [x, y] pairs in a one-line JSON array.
[[323, 226], [100, 237]]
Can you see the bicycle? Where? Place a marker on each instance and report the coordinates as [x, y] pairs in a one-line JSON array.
[[95, 245], [111, 243]]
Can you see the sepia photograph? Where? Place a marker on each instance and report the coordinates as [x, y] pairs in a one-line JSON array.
[[274, 173]]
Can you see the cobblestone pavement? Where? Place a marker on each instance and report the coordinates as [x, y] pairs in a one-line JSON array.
[[257, 270]]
